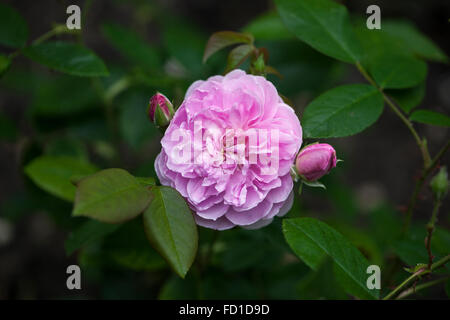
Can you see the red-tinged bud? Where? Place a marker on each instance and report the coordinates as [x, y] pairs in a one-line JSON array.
[[160, 110]]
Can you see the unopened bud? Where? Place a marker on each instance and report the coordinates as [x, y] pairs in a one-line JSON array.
[[315, 161], [439, 184], [160, 110]]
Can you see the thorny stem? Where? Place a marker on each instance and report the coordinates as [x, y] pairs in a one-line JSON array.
[[428, 284], [428, 164], [419, 184], [430, 229], [421, 143], [417, 275]]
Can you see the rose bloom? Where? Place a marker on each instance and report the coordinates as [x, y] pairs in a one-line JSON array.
[[229, 150]]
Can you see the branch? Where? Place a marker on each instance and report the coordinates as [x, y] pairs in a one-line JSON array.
[[417, 275], [421, 143], [425, 285], [419, 183], [430, 230]]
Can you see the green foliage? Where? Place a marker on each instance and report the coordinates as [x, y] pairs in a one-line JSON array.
[[412, 251], [129, 248], [414, 40], [313, 240], [238, 55], [68, 58], [409, 98], [324, 25], [110, 195], [54, 174], [171, 229], [321, 283], [87, 233], [179, 35], [176, 289], [223, 39], [13, 27], [397, 71], [343, 111], [132, 46], [267, 27], [431, 117], [62, 95], [70, 120]]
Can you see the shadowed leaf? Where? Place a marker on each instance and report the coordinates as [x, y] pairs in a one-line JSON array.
[[222, 39], [171, 229], [111, 195], [68, 58]]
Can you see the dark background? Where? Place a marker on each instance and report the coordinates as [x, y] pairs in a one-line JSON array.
[[380, 164]]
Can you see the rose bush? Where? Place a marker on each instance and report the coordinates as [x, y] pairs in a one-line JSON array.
[[226, 156]]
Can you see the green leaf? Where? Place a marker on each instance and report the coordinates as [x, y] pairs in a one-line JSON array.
[[53, 174], [13, 27], [430, 117], [131, 45], [342, 111], [375, 42], [223, 39], [171, 229], [268, 27], [68, 58], [409, 98], [324, 25], [414, 40], [111, 195], [397, 71], [238, 55], [87, 233], [313, 240]]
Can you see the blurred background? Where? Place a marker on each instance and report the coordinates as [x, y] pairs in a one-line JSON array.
[[104, 120]]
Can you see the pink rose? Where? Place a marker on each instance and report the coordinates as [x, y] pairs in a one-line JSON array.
[[229, 150], [315, 161]]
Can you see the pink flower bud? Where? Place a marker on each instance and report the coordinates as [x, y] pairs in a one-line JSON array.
[[315, 161], [160, 110]]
